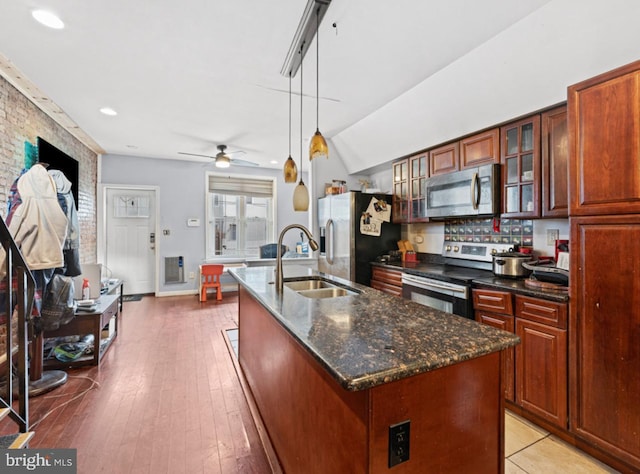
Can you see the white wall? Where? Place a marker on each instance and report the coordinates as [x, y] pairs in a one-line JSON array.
[[182, 196], [525, 68]]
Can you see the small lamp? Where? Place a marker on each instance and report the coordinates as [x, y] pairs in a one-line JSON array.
[[301, 194], [290, 169], [318, 147]]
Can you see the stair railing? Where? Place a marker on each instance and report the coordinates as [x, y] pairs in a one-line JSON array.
[[20, 292]]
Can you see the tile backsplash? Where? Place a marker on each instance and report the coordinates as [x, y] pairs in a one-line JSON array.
[[497, 230]]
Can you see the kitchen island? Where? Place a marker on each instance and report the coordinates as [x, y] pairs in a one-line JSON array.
[[359, 382]]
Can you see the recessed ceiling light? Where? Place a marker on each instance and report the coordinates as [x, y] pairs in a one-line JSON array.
[[108, 111], [274, 162], [48, 19]]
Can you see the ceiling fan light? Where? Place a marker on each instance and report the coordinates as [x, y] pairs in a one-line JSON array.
[[301, 197], [290, 171], [318, 147], [223, 161]]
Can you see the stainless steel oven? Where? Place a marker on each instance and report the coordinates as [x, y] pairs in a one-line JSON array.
[[442, 295]]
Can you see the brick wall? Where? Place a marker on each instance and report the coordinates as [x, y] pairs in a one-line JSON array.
[[20, 121]]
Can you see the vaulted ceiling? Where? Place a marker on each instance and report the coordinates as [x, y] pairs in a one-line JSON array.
[[185, 76]]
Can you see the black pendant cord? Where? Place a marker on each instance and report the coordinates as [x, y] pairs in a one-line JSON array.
[[289, 113], [318, 69], [301, 97]]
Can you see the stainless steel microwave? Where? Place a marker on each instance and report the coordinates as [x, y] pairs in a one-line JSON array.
[[470, 192]]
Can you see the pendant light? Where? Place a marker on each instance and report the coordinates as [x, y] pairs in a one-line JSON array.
[[300, 194], [290, 169], [318, 147]]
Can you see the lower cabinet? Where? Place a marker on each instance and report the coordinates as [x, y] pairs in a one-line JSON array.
[[506, 323], [541, 364], [536, 369], [386, 280]]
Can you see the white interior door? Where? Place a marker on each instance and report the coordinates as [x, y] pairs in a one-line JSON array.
[[130, 226]]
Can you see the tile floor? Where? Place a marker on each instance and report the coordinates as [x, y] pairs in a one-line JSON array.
[[531, 450]]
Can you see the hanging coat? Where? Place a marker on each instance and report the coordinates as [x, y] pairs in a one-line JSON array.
[[71, 248], [38, 225]]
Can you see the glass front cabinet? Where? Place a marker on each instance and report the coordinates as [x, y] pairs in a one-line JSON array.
[[400, 213], [520, 158], [419, 165]]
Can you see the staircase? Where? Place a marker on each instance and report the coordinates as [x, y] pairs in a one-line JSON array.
[[17, 294], [14, 440]]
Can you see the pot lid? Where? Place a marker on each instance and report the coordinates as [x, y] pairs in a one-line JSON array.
[[527, 256]]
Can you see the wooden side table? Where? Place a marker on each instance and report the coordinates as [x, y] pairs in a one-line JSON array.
[[89, 323]]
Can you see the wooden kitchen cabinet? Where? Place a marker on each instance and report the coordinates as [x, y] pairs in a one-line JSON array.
[[555, 163], [520, 157], [480, 149], [604, 332], [386, 280], [444, 159], [506, 323], [493, 300], [541, 358], [419, 172], [604, 126], [409, 189], [400, 199], [495, 308]]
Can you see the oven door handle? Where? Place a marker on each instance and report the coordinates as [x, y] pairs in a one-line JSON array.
[[428, 284]]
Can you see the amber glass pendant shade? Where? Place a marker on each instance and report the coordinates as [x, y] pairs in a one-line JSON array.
[[318, 147], [290, 171], [301, 197]]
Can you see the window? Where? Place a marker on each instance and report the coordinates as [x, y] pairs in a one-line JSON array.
[[239, 216]]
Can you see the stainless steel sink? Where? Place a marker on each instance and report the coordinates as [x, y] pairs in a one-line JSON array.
[[302, 285], [318, 288], [327, 293]]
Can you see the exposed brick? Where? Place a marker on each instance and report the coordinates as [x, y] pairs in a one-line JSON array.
[[20, 121]]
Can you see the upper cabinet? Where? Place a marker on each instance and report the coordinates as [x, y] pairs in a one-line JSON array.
[[409, 186], [604, 126], [555, 163], [419, 171], [520, 158], [480, 149], [444, 159], [400, 206]]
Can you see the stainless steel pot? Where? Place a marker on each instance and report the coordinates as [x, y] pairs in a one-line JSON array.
[[509, 264]]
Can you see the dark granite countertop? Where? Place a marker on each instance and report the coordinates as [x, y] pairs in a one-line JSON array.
[[371, 338], [518, 286], [475, 277]]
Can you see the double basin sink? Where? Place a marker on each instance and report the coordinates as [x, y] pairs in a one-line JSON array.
[[317, 287]]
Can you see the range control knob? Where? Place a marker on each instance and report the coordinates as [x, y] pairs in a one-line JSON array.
[[448, 248], [456, 248]]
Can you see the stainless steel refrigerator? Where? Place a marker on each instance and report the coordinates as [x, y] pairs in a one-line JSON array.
[[344, 250]]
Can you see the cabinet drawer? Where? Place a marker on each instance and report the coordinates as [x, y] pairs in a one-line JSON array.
[[542, 311], [386, 288], [494, 301], [394, 277]]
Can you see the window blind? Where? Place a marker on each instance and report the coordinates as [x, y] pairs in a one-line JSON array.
[[241, 186]]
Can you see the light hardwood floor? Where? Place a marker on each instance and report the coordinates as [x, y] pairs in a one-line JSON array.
[[166, 399]]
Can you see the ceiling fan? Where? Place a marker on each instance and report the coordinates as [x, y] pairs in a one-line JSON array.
[[222, 159]]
